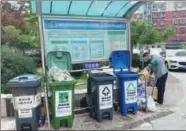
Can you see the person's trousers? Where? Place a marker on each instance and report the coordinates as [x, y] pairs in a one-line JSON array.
[[161, 83]]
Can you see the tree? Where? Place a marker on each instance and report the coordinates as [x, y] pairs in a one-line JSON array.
[[14, 63], [143, 32], [168, 32], [9, 34], [184, 46], [11, 14], [31, 33], [22, 29]]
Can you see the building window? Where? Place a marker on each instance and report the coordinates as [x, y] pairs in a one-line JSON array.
[[155, 7], [175, 14], [179, 4], [182, 21], [162, 22], [175, 22], [155, 15], [138, 16], [182, 30], [174, 38], [181, 38], [184, 13], [162, 14], [163, 7]]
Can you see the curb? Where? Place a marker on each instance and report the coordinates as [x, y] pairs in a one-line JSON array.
[[136, 123]]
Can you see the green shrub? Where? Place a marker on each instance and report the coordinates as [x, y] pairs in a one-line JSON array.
[[137, 63], [135, 60], [14, 63], [77, 67]]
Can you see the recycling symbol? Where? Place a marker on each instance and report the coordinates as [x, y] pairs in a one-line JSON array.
[[131, 87], [106, 91]]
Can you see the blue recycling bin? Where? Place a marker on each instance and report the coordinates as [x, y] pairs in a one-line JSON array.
[[128, 81]]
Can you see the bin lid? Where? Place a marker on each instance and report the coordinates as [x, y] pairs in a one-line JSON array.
[[60, 59], [26, 80], [102, 77], [121, 60], [128, 75]]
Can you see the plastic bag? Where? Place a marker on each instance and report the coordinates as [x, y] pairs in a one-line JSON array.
[[56, 74], [141, 103], [141, 100], [145, 72], [151, 104]]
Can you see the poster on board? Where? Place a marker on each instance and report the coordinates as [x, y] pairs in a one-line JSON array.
[[86, 40]]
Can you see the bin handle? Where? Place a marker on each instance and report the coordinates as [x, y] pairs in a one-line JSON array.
[[23, 78]]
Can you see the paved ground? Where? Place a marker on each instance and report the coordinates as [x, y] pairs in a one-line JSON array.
[[177, 120], [173, 102]]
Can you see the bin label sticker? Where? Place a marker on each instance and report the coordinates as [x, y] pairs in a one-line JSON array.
[[25, 113], [37, 99], [105, 96], [130, 91], [24, 101], [63, 103]]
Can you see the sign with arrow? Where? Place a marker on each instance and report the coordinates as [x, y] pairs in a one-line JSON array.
[[106, 91], [105, 96]]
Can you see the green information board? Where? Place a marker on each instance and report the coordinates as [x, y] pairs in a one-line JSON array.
[[86, 40]]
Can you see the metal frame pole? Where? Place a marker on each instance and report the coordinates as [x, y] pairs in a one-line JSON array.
[[38, 9], [129, 42]]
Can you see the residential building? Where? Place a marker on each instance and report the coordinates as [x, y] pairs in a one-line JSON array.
[[165, 14]]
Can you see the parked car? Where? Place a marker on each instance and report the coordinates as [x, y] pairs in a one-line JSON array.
[[157, 51], [176, 59], [136, 51]]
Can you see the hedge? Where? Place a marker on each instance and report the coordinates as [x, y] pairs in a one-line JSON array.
[[14, 63]]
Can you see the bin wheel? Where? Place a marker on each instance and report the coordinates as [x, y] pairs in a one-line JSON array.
[[115, 107], [99, 119], [51, 117], [91, 113]]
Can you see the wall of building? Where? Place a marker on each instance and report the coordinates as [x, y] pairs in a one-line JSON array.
[[165, 14], [171, 13]]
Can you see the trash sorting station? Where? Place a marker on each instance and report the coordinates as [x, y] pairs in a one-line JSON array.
[[86, 32]]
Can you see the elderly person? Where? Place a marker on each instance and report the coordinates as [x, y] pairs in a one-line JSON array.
[[158, 67]]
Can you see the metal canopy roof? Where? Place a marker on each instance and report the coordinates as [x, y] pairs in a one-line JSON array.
[[87, 8]]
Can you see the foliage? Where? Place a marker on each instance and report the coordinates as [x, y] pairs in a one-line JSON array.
[[168, 32], [184, 46], [135, 60], [18, 21], [31, 33], [10, 34], [11, 14], [13, 64], [143, 32], [12, 6]]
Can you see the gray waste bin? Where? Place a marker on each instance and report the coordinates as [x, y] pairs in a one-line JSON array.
[[100, 95], [27, 101]]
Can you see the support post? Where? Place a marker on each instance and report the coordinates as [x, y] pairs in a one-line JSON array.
[[38, 10], [129, 42]]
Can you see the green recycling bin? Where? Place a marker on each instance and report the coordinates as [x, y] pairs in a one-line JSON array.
[[62, 99]]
